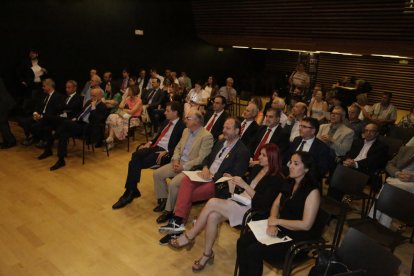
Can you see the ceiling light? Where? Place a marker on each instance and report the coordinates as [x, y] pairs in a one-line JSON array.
[[390, 56], [240, 47]]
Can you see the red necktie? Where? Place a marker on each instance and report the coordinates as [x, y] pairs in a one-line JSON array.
[[162, 135], [257, 153], [210, 125], [242, 128]]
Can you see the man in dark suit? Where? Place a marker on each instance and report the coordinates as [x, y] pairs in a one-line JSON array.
[[227, 156], [156, 152], [215, 119], [249, 126], [152, 100], [6, 104], [89, 121], [51, 105], [270, 132], [307, 141], [142, 80]]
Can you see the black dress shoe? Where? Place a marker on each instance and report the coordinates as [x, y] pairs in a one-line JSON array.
[[59, 164], [161, 205], [165, 216], [126, 198], [45, 154]]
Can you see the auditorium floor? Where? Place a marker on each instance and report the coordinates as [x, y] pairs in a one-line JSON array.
[[61, 222]]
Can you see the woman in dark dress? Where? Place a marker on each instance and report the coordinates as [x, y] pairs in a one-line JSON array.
[[293, 213], [264, 185]]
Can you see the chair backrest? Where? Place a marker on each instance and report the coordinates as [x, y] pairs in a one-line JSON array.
[[394, 145], [396, 203], [358, 251], [349, 181], [405, 134], [321, 221]]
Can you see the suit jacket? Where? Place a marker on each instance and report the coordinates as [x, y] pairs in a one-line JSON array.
[[217, 128], [54, 107], [200, 148], [175, 134], [400, 161], [250, 133], [235, 163], [74, 107], [98, 115], [157, 98], [342, 139], [319, 151], [279, 137], [376, 155]]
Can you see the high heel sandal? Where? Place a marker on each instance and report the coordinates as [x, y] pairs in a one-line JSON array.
[[173, 243], [197, 266]]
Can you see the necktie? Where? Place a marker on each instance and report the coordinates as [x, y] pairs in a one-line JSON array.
[[301, 145], [46, 103], [165, 130], [242, 128], [257, 153], [85, 114], [150, 96], [210, 125]]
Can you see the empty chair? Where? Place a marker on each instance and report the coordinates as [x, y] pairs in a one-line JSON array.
[[396, 203]]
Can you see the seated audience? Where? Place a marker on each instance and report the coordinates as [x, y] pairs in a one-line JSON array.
[[155, 152], [293, 214], [383, 113], [279, 104], [228, 92], [262, 187], [118, 122], [270, 132], [142, 80], [95, 82], [227, 156], [125, 81], [249, 126], [210, 88], [354, 122], [401, 172], [362, 102], [260, 116], [93, 115], [215, 118], [318, 107], [152, 100], [87, 86], [336, 134], [299, 112], [194, 146], [185, 82], [195, 98], [113, 96], [408, 120], [275, 94]]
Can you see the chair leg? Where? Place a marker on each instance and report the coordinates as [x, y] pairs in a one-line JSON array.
[[127, 143], [145, 131], [107, 150], [236, 268], [83, 151]]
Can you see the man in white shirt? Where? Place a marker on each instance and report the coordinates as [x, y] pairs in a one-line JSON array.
[[299, 111], [249, 126]]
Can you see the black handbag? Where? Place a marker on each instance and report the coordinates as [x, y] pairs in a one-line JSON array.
[[222, 190]]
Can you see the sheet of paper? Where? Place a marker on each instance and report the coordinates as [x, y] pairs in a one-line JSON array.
[[259, 227], [193, 175], [243, 200], [224, 179]]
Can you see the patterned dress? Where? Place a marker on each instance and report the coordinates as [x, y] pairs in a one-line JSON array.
[[120, 124]]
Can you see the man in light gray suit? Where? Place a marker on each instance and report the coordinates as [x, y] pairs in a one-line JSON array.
[[336, 135], [195, 145]]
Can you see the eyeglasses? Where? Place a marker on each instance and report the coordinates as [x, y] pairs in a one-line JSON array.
[[303, 126], [189, 118]]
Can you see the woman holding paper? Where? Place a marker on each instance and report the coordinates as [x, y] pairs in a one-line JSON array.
[[266, 182], [292, 213]]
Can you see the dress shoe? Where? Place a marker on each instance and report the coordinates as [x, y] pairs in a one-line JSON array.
[[7, 145], [165, 216], [59, 164], [41, 145], [45, 154], [27, 142], [172, 227], [126, 198], [161, 205]]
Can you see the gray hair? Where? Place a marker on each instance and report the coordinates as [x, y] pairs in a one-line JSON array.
[[74, 83], [199, 117], [50, 82]]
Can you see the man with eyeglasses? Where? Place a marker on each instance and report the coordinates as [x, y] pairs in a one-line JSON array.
[[307, 141], [336, 134], [195, 145], [215, 119]]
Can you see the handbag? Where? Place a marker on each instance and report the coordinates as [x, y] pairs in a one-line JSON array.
[[328, 264], [222, 190]]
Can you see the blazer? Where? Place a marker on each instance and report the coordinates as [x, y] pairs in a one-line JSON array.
[[250, 133], [279, 137], [319, 151], [400, 161], [235, 163], [98, 115], [200, 148], [157, 98], [217, 128], [175, 134], [342, 139], [54, 107], [376, 155], [74, 107]]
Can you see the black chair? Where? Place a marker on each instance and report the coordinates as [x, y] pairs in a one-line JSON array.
[[394, 145], [396, 203], [363, 256], [88, 141], [131, 130], [349, 182], [404, 134], [300, 254]]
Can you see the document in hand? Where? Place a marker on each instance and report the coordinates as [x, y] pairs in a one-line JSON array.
[[241, 199], [259, 227], [193, 175]]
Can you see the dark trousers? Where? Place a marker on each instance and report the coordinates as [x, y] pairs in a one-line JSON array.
[[251, 253], [32, 127], [143, 158], [8, 137]]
